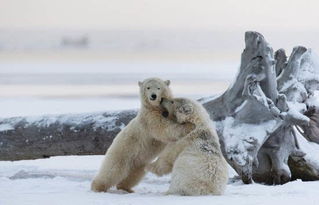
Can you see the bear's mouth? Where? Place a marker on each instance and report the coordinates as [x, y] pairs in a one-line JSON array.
[[165, 114]]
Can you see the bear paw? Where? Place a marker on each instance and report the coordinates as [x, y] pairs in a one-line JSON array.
[[98, 186], [128, 190], [159, 169]]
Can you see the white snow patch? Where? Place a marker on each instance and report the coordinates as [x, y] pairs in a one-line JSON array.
[[310, 148], [61, 180], [309, 67], [104, 122], [243, 137], [297, 107], [293, 83], [313, 100], [98, 120], [307, 73], [6, 127]]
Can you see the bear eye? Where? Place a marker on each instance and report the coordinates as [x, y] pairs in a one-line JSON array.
[[172, 102], [148, 88], [158, 88]]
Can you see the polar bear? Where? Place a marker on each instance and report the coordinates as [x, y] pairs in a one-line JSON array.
[[140, 141], [199, 167]]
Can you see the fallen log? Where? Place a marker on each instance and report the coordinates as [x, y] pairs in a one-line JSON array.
[[58, 135]]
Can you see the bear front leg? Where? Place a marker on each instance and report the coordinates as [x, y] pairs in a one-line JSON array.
[[105, 182], [160, 167], [171, 131], [165, 161], [133, 179], [100, 184]]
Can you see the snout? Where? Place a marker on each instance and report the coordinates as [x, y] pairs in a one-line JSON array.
[[153, 97], [167, 108], [165, 113], [164, 103]]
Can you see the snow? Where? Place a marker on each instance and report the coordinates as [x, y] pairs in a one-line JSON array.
[[98, 120], [243, 137], [313, 100], [309, 66], [104, 120], [304, 79], [5, 127], [65, 180], [310, 148]]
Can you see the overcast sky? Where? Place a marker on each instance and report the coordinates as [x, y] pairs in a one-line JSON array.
[[159, 14]]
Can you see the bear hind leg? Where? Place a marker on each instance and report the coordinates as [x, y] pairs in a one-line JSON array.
[[109, 176]]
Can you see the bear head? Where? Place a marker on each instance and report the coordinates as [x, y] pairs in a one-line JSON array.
[[180, 110], [152, 90]]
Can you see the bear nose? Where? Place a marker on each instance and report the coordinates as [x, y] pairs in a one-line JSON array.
[[153, 97]]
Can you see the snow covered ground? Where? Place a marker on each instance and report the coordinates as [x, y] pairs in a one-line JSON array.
[[66, 180]]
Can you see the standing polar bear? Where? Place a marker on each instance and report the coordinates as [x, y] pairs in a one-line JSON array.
[[140, 141], [199, 167]]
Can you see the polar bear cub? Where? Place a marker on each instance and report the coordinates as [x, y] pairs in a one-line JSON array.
[[200, 168], [140, 141]]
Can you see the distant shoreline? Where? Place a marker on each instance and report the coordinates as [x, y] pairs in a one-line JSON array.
[[125, 90]]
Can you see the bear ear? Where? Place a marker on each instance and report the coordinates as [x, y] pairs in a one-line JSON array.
[[167, 82], [140, 83]]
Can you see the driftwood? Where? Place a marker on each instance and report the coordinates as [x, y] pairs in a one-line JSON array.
[[259, 119], [58, 135]]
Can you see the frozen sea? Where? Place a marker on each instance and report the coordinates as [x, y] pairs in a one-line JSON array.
[[34, 88]]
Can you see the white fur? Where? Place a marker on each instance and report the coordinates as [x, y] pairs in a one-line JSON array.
[[140, 141], [200, 168]]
